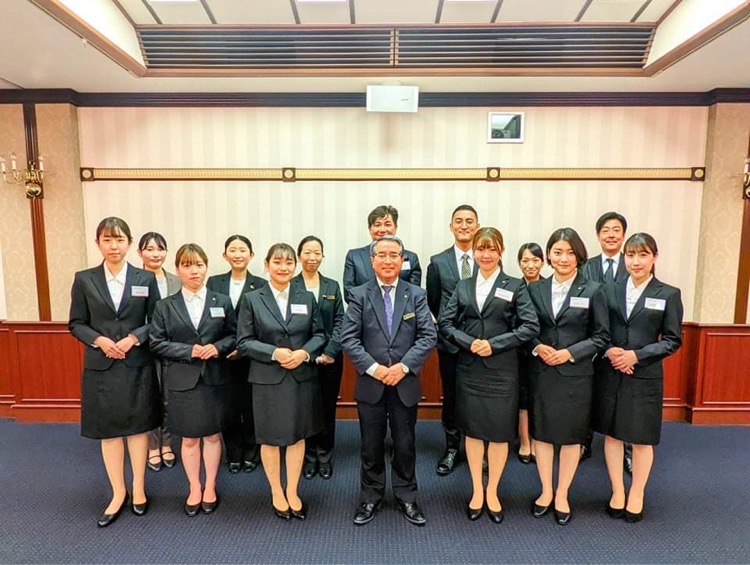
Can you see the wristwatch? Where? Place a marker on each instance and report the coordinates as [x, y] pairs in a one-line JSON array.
[[404, 368]]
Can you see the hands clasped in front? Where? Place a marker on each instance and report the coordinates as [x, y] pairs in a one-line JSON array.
[[204, 352], [289, 359], [552, 356], [622, 359], [390, 376], [115, 350]]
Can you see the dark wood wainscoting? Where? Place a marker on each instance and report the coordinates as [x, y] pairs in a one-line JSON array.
[[706, 382]]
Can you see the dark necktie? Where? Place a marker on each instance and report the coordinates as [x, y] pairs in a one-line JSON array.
[[465, 269], [388, 306], [609, 273]]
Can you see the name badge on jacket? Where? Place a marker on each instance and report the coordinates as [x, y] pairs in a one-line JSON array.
[[139, 291], [504, 294], [409, 316], [299, 308], [406, 266], [217, 312], [656, 304], [579, 302]]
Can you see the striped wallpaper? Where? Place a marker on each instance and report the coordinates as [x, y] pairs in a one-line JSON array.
[[434, 137]]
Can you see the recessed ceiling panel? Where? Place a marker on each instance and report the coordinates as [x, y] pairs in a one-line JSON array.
[[311, 13], [655, 10], [612, 10], [395, 11], [540, 10], [252, 12], [181, 13], [137, 11], [467, 12]]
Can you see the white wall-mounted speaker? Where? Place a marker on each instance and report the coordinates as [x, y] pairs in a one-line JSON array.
[[392, 98]]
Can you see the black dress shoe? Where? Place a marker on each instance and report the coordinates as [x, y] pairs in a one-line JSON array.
[[632, 518], [191, 509], [627, 464], [496, 517], [474, 513], [525, 459], [154, 463], [446, 463], [412, 513], [300, 514], [365, 513], [250, 465], [209, 507], [563, 518], [283, 514], [169, 462], [615, 513], [537, 510], [234, 467], [325, 470], [141, 509], [310, 469], [107, 519]]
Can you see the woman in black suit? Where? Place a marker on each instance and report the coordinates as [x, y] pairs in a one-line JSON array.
[[645, 317], [280, 331], [488, 317], [239, 434], [530, 260], [192, 332], [152, 249], [110, 305], [319, 448], [574, 326]]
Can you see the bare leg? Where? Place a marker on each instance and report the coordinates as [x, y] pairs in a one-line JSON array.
[[191, 460], [643, 459], [295, 457], [113, 454], [137, 451], [211, 461], [570, 455], [271, 458], [545, 458], [523, 432], [474, 457], [497, 455], [613, 450]]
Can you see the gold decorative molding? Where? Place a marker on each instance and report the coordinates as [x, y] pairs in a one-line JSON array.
[[487, 174]]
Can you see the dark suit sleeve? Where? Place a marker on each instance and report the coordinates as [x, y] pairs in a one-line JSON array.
[[449, 321], [227, 344], [351, 335], [415, 275], [333, 347], [349, 275], [159, 341], [527, 323], [79, 314], [434, 289], [141, 333], [598, 327], [426, 335], [248, 344], [212, 283], [671, 333]]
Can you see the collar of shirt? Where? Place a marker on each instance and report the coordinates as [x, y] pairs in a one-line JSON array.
[[489, 281], [393, 285], [189, 296], [630, 285], [460, 253], [562, 287], [616, 262], [121, 276], [280, 294]]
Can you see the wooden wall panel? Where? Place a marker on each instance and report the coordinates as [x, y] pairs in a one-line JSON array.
[[7, 398]]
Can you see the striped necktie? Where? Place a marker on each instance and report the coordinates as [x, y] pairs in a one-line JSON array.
[[465, 269]]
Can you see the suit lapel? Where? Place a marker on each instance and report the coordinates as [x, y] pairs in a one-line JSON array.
[[621, 271], [130, 279], [450, 256], [651, 291], [100, 283], [621, 299], [578, 286], [545, 288], [266, 295], [249, 283], [500, 282], [210, 303], [376, 298], [401, 296], [364, 257], [178, 303], [473, 292]]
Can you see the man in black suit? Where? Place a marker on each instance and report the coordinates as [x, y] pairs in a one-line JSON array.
[[443, 273], [388, 335], [382, 221], [609, 267]]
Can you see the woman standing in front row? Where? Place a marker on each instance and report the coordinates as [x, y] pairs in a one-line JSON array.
[[279, 329], [152, 249], [488, 316], [109, 311], [574, 327], [193, 331], [645, 317], [319, 448]]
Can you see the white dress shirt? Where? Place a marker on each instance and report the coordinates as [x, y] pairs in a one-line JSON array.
[[163, 288], [484, 287], [195, 303], [235, 290], [615, 263], [560, 291], [282, 299], [314, 289], [116, 284], [459, 259], [633, 293]]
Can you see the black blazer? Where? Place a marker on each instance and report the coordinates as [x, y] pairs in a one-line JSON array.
[[358, 269], [93, 314], [220, 284], [506, 321], [331, 308], [593, 271], [442, 277], [582, 331], [261, 329], [654, 328], [172, 337]]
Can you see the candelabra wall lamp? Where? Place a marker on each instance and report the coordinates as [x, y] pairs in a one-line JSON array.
[[746, 178], [31, 178]]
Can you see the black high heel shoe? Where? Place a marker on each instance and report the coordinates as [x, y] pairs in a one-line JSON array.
[[632, 518], [474, 513], [300, 514], [141, 509], [108, 519], [537, 510], [283, 514], [615, 513], [496, 517]]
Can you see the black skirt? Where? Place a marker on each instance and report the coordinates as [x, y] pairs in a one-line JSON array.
[[198, 412], [487, 403], [120, 401], [560, 407], [523, 379], [626, 407], [287, 412]]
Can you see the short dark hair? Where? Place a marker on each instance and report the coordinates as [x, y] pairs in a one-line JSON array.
[[148, 236], [242, 238], [114, 226], [466, 208], [308, 239], [281, 250], [382, 212], [534, 248], [607, 216], [374, 243], [189, 254], [576, 243]]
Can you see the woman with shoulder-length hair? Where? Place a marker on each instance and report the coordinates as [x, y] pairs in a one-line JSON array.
[[109, 311], [574, 327], [645, 317], [488, 317], [152, 249], [193, 331], [280, 331]]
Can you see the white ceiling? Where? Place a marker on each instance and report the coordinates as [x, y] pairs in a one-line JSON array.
[[57, 58]]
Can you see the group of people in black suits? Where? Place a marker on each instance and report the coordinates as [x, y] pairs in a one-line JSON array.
[[260, 362]]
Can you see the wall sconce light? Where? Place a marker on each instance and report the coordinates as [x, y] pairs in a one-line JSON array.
[[32, 178], [746, 178]]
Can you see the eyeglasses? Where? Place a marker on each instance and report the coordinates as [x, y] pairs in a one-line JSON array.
[[384, 256]]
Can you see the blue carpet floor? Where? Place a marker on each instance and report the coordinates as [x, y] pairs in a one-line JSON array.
[[53, 488]]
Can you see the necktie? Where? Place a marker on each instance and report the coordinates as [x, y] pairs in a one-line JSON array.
[[388, 306], [465, 269], [609, 273]]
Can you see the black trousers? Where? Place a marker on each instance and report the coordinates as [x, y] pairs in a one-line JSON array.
[[374, 420], [320, 447], [447, 362], [239, 432]]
